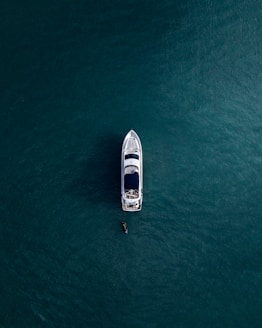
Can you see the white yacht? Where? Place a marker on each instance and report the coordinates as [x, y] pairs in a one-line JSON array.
[[132, 173]]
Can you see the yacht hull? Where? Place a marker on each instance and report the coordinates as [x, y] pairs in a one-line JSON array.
[[131, 173]]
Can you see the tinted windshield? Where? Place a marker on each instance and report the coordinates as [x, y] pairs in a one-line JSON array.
[[132, 156]]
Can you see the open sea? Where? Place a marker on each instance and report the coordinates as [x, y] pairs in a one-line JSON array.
[[75, 77]]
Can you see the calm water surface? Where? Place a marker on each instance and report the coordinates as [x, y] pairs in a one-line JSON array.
[[75, 78]]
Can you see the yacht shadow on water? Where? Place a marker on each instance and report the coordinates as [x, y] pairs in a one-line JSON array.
[[99, 172]]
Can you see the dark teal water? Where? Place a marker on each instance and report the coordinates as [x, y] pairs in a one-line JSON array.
[[75, 78]]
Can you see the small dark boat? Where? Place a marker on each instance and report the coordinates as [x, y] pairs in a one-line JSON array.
[[124, 227]]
